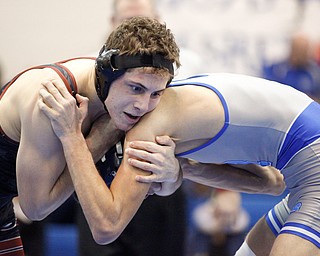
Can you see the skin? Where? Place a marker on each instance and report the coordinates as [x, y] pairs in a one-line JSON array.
[[40, 161], [108, 211], [263, 242], [137, 98], [125, 9], [260, 238], [182, 100]]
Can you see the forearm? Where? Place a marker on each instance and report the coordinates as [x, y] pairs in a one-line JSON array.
[[39, 199], [218, 176], [63, 187], [60, 192], [107, 211], [89, 186], [237, 179]]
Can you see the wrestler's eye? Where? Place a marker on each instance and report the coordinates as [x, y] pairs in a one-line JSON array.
[[137, 89], [157, 94]]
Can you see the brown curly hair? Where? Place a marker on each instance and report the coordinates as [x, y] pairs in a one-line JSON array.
[[145, 36]]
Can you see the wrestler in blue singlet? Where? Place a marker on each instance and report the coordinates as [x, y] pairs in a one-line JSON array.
[[268, 123]]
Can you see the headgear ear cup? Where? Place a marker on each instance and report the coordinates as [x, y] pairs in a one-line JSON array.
[[110, 66], [105, 73]]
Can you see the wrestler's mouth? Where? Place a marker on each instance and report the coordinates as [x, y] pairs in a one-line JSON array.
[[132, 118]]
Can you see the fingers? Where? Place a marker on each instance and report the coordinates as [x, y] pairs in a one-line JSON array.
[[146, 166], [165, 141], [44, 106], [150, 151], [57, 88], [147, 179], [51, 95], [153, 147], [159, 159], [143, 155], [145, 146], [57, 93]]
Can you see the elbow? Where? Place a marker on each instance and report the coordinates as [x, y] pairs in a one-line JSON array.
[[106, 228], [33, 212], [103, 238], [106, 234], [278, 190], [279, 186]]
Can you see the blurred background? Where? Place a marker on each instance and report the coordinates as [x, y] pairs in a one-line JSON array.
[[230, 36]]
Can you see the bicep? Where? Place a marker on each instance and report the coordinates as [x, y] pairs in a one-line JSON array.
[[40, 159]]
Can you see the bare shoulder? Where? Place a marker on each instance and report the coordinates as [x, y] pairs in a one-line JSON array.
[[199, 113], [19, 102], [181, 111]]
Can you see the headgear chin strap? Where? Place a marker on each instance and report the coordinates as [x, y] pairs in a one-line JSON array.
[[110, 66]]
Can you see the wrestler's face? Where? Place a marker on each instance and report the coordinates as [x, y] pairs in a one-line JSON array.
[[133, 95]]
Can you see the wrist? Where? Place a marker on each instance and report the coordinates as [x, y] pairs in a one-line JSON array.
[[72, 139]]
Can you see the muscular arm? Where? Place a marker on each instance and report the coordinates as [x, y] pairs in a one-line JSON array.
[[107, 210], [43, 180], [242, 178], [42, 183], [169, 177], [189, 128], [43, 177]]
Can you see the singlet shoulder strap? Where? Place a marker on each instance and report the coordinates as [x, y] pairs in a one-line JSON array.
[[66, 76], [64, 73]]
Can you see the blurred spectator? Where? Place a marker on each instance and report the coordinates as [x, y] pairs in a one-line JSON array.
[[223, 224], [124, 9], [216, 221], [299, 70]]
